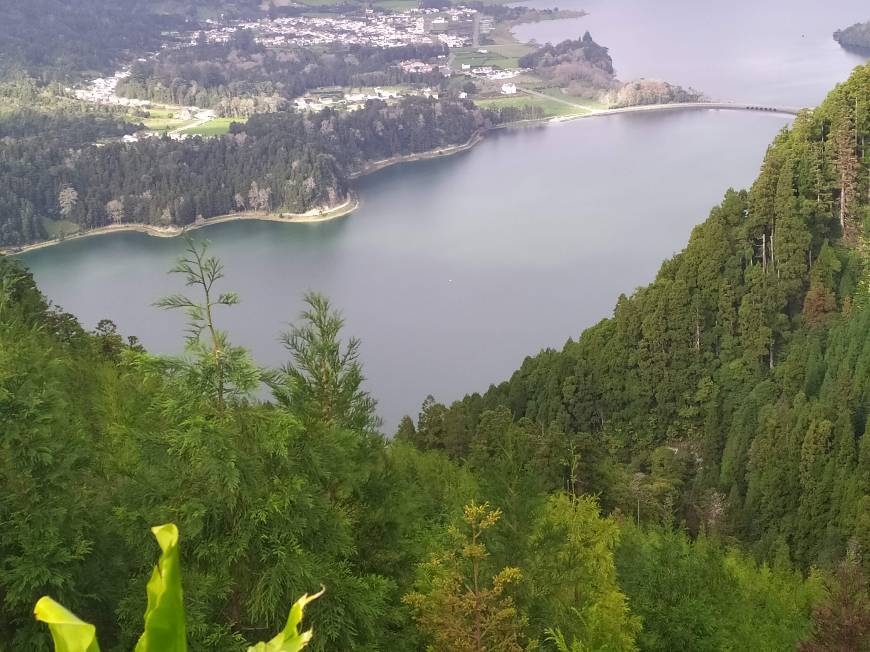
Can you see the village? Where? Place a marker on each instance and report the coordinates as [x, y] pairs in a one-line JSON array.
[[452, 27], [490, 69]]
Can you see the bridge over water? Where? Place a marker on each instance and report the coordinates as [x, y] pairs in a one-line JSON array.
[[726, 106]]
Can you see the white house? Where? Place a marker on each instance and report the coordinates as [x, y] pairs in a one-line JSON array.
[[508, 89]]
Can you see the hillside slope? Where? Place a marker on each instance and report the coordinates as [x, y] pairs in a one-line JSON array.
[[748, 357]]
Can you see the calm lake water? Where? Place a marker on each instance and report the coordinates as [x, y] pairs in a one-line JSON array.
[[453, 270], [764, 51]]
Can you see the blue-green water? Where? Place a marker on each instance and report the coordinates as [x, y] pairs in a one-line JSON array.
[[453, 270]]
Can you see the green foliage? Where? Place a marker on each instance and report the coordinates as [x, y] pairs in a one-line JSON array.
[[221, 370], [458, 606], [730, 395], [726, 402], [69, 633], [697, 595], [164, 618], [274, 163], [323, 380], [573, 579], [241, 78], [290, 639]]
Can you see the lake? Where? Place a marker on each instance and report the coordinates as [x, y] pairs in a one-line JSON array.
[[764, 52], [452, 270]]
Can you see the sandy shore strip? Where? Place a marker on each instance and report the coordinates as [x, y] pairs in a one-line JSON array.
[[374, 166], [321, 214]]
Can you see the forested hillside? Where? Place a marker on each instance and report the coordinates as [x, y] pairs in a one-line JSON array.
[[52, 168], [691, 474], [733, 393], [854, 36], [501, 550], [62, 40], [55, 39]]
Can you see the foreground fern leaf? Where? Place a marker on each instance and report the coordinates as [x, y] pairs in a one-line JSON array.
[[165, 629], [290, 639], [164, 617], [69, 632]]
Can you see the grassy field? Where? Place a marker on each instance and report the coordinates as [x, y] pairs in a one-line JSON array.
[[216, 127], [501, 56], [160, 118], [551, 108], [161, 124], [585, 101]]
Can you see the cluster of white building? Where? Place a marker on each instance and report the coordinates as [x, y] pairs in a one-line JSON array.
[[387, 30], [354, 101]]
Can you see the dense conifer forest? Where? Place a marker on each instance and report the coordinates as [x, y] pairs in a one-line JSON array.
[[57, 40], [692, 473], [52, 167], [734, 391]]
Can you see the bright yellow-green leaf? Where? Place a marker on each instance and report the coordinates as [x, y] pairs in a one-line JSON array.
[[291, 639], [70, 633], [164, 618]]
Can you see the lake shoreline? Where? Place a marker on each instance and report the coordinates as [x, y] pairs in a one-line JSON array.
[[321, 214], [327, 213], [376, 166]]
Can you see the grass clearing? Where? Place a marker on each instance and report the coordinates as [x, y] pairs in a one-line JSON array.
[[216, 127], [551, 108], [497, 56], [163, 124], [161, 117], [585, 101]]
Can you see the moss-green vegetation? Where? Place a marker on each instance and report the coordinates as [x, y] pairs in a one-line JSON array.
[[158, 117]]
